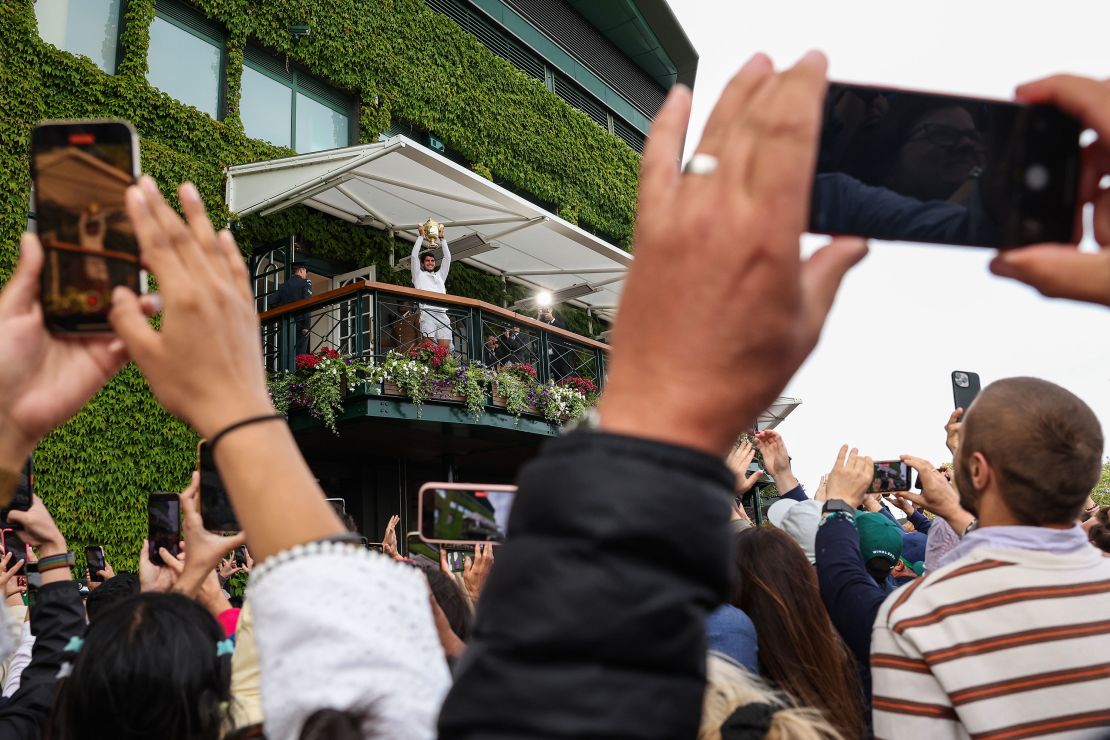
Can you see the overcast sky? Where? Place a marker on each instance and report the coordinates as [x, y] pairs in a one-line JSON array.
[[931, 309]]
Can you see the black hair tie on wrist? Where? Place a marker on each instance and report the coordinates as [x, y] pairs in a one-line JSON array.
[[237, 425], [749, 722]]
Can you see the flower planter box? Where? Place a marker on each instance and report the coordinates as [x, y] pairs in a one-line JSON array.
[[389, 388], [500, 402]]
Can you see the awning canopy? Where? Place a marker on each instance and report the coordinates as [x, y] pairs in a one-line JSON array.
[[779, 410], [397, 184]]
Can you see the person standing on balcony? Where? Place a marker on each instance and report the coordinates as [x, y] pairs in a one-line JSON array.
[[434, 322], [296, 288], [557, 353]]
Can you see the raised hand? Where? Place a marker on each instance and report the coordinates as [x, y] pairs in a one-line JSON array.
[[738, 461], [206, 292], [937, 494], [762, 136], [159, 578], [389, 538], [45, 378], [777, 459], [1061, 270], [204, 549], [476, 570], [850, 477], [952, 430], [9, 584]]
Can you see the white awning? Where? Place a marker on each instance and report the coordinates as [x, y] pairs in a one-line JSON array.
[[397, 184], [779, 410]]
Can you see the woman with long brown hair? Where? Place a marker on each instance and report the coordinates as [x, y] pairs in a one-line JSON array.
[[799, 650]]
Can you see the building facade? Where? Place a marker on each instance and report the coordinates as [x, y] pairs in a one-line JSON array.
[[548, 99]]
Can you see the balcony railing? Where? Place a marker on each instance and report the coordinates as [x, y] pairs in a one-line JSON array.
[[368, 320]]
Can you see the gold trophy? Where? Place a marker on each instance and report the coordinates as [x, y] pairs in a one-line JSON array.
[[433, 232]]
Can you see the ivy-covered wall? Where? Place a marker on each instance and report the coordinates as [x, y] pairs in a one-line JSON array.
[[402, 61]]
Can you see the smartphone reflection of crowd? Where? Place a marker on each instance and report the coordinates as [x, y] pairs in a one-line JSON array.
[[623, 602]]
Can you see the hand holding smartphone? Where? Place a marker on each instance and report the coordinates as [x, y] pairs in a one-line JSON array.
[[965, 387], [891, 476], [913, 166], [95, 562], [81, 171], [163, 525], [215, 505], [464, 514]]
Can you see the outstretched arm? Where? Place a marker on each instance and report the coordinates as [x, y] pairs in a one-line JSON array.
[[414, 261], [445, 263]]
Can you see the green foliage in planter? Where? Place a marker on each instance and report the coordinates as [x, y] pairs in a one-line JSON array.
[[97, 470]]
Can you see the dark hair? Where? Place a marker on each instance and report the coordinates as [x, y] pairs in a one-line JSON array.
[[1100, 532], [1043, 442], [799, 651], [879, 568], [336, 724], [451, 600], [148, 668], [114, 590], [426, 255]]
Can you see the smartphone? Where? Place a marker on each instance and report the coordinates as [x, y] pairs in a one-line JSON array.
[[163, 524], [241, 555], [464, 514], [340, 506], [922, 167], [456, 559], [215, 505], [891, 476], [81, 171], [965, 387], [94, 561], [13, 544]]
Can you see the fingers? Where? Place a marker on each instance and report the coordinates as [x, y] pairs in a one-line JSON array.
[[237, 266], [196, 216], [731, 108], [788, 118], [1058, 271], [174, 230], [144, 554], [919, 465], [954, 417], [156, 249], [174, 563], [129, 323], [915, 499], [444, 566], [659, 167], [840, 458], [22, 290], [188, 497], [1085, 98], [237, 540]]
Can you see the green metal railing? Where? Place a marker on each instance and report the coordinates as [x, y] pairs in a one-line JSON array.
[[368, 320]]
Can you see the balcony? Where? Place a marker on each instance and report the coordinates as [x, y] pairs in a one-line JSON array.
[[368, 321]]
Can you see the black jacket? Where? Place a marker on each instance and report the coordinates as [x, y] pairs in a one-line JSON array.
[[592, 623], [294, 289], [58, 615]]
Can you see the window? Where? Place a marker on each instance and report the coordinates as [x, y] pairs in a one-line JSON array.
[[288, 107], [185, 58], [87, 27]]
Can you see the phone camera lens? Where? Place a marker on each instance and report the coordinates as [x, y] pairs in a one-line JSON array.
[[1036, 177], [961, 380]]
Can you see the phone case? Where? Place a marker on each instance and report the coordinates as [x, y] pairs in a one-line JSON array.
[[452, 487]]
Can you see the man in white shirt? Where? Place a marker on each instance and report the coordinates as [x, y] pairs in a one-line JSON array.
[[434, 321]]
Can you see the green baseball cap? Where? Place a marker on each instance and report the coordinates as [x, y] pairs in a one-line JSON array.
[[879, 536]]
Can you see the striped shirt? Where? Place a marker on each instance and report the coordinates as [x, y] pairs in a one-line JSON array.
[[1001, 644]]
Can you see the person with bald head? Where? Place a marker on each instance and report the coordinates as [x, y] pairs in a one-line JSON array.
[[1010, 636]]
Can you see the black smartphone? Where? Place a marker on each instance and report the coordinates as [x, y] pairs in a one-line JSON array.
[[464, 514], [94, 561], [340, 506], [81, 171], [241, 555], [163, 524], [215, 505], [965, 387], [891, 476], [13, 544], [922, 167]]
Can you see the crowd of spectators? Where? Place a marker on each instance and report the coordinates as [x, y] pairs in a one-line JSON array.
[[625, 603]]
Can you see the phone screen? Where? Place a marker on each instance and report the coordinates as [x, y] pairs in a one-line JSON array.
[[890, 476], [913, 166], [215, 505], [164, 524], [470, 515], [94, 561], [965, 387], [13, 544], [81, 171]]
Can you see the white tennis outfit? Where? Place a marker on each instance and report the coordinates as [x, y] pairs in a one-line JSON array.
[[434, 322]]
